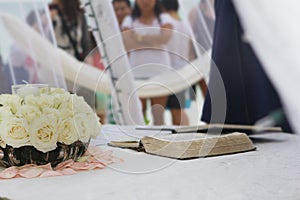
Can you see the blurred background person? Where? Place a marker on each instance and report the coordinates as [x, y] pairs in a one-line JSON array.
[[70, 28], [146, 33], [122, 9], [72, 35], [179, 46]]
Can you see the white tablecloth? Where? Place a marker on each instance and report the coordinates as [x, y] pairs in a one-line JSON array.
[[271, 172]]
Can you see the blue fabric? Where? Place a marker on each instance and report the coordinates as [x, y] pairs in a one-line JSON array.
[[250, 94]]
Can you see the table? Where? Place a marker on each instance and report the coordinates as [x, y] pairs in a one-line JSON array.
[[271, 172]]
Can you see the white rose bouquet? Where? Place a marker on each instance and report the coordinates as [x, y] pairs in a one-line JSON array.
[[44, 120]]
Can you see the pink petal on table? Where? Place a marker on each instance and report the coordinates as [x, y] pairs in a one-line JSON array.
[[46, 166], [83, 158], [67, 171], [27, 166], [103, 155], [50, 173], [80, 166], [106, 162], [95, 166], [8, 173], [117, 160], [64, 164], [31, 172], [93, 150], [106, 159], [94, 160]]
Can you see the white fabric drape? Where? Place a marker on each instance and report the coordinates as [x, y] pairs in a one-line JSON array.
[[272, 28]]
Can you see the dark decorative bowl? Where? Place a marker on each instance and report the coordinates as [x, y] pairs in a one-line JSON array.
[[10, 156]]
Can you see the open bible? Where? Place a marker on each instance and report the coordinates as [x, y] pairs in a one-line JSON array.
[[190, 145]]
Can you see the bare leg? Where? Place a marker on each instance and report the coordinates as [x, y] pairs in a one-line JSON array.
[[144, 105], [102, 118], [203, 87], [158, 105], [144, 108], [179, 117]]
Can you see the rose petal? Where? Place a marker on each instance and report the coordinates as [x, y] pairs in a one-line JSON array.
[[8, 173], [83, 158], [31, 172], [96, 159], [27, 166], [47, 166], [64, 164], [50, 173], [67, 171], [104, 155], [105, 158], [117, 160], [80, 166], [94, 150], [95, 166]]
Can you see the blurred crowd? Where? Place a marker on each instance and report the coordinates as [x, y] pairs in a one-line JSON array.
[[159, 37], [158, 41], [156, 38]]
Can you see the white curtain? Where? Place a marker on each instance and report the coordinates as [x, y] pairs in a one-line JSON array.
[[272, 28]]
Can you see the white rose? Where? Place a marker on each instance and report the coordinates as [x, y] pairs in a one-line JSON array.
[[54, 91], [2, 142], [82, 127], [12, 101], [44, 133], [5, 112], [14, 131], [44, 90], [29, 113], [93, 125], [80, 105], [55, 114], [66, 110], [66, 113], [67, 132], [41, 101], [60, 99], [46, 100], [32, 101]]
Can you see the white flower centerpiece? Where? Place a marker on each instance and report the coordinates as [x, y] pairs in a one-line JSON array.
[[42, 125]]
